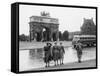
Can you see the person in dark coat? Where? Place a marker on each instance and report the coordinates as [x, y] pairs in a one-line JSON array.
[[55, 52], [47, 54], [79, 51], [61, 53]]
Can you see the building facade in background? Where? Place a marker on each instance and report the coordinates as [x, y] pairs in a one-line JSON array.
[[88, 27]]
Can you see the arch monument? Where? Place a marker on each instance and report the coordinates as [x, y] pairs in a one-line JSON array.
[[44, 28]]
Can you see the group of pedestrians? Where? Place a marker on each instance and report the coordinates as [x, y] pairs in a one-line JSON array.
[[55, 53]]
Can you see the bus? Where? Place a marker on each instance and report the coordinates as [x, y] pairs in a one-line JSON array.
[[85, 40]]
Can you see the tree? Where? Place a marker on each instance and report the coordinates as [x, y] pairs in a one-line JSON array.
[[65, 35], [88, 27], [22, 37]]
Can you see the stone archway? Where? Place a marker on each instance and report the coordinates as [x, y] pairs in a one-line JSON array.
[[38, 24]]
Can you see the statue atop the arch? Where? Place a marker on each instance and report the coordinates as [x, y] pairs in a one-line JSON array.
[[45, 14], [44, 28]]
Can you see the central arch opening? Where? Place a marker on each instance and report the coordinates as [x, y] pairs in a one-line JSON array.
[[46, 34]]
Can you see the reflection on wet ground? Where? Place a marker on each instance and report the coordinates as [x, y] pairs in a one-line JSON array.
[[30, 59]]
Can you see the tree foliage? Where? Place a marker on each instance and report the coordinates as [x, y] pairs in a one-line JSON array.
[[23, 37], [65, 35]]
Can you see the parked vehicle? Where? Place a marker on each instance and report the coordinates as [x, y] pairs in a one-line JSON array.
[[85, 40]]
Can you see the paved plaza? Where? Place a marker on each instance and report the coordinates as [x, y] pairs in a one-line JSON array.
[[74, 65], [31, 58]]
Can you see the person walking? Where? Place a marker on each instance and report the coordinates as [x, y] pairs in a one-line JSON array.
[[79, 51]]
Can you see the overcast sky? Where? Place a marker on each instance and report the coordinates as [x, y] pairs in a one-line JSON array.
[[70, 19]]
